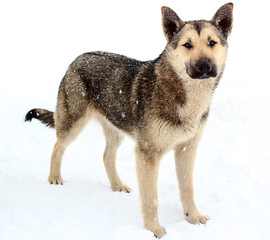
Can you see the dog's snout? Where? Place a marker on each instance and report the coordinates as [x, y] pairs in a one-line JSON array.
[[204, 67]]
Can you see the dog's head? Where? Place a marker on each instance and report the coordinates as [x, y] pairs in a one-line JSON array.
[[197, 49]]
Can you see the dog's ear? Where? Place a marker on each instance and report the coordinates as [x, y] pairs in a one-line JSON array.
[[223, 19], [171, 23]]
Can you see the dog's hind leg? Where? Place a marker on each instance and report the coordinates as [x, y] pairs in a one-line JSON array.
[[71, 115], [113, 140], [56, 161], [64, 138]]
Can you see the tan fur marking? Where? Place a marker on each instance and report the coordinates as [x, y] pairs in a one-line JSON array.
[[147, 172], [64, 139], [114, 138], [56, 161], [185, 155]]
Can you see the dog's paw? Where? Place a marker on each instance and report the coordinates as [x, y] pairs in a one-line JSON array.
[[196, 218], [55, 180], [121, 188], [159, 233]]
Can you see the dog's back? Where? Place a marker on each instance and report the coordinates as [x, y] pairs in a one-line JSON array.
[[104, 80], [101, 81]]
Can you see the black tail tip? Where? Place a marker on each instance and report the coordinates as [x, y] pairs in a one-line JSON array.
[[31, 114]]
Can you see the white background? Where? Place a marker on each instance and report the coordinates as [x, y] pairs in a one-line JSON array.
[[39, 39]]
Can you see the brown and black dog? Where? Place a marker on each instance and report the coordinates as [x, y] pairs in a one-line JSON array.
[[162, 104]]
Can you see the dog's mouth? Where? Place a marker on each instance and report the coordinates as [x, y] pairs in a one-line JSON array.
[[202, 70], [203, 76]]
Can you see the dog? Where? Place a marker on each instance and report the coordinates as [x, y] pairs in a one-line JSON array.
[[162, 104]]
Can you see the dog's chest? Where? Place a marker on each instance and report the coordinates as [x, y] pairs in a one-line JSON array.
[[198, 99], [168, 134], [193, 112]]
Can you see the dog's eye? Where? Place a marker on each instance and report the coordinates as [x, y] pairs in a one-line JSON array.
[[212, 43], [187, 45]]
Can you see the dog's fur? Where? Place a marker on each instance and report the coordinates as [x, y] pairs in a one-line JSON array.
[[162, 104]]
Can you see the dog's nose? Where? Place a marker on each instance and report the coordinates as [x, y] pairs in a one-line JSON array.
[[203, 67]]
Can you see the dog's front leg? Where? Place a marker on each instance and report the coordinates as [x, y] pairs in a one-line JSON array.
[[185, 155], [147, 172]]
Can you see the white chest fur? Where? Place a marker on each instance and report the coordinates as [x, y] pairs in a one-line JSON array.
[[198, 99]]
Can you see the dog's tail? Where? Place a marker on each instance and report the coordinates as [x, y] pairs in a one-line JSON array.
[[42, 115]]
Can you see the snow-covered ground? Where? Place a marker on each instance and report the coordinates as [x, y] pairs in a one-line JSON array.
[[231, 178]]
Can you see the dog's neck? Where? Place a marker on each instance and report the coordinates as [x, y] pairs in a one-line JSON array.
[[194, 94]]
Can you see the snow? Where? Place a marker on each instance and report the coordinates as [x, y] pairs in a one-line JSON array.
[[231, 176], [123, 115]]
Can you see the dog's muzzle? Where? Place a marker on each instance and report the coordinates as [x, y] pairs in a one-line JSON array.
[[203, 70]]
